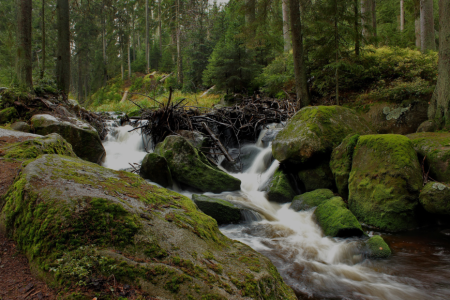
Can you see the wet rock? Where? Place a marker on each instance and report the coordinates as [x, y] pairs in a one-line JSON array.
[[435, 148], [189, 166], [247, 157], [196, 139], [315, 131], [21, 126], [156, 169], [336, 220], [8, 115], [376, 248], [84, 138], [312, 199], [341, 163], [222, 211], [316, 176], [279, 189], [435, 197], [385, 181], [270, 135], [100, 226]]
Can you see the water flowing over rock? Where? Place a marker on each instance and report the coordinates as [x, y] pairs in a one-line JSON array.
[[222, 211], [84, 138], [156, 169], [191, 167], [435, 197], [60, 207], [279, 189], [311, 199], [385, 181]]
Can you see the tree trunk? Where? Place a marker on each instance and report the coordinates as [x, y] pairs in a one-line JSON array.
[[374, 20], [179, 56], [301, 84], [147, 44], [417, 22], [438, 110], [129, 57], [24, 65], [357, 35], [43, 39], [336, 45], [250, 12], [63, 57], [402, 15], [160, 31], [428, 41], [367, 19], [286, 35]]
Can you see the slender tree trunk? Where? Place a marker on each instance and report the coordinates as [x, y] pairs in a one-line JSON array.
[[63, 57], [286, 35], [336, 45], [147, 44], [367, 19], [439, 108], [428, 41], [417, 22], [80, 86], [374, 20], [105, 72], [43, 39], [160, 31], [129, 57], [179, 56], [357, 34], [250, 12], [24, 63], [301, 84], [402, 15]]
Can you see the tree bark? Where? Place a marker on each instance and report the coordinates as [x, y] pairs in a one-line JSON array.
[[357, 35], [63, 57], [24, 65], [301, 84], [438, 110], [286, 35], [402, 15], [43, 39], [147, 44], [417, 22], [250, 12], [179, 55], [160, 31], [367, 19], [129, 57], [428, 41]]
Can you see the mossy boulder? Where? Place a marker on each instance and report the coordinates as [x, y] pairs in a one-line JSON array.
[[311, 199], [279, 189], [385, 181], [336, 220], [83, 137], [191, 167], [435, 148], [341, 163], [76, 220], [376, 248], [21, 126], [316, 176], [8, 115], [222, 211], [156, 169], [196, 139], [435, 198], [315, 131], [49, 144]]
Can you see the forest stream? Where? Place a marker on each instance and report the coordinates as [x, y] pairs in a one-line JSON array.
[[315, 266]]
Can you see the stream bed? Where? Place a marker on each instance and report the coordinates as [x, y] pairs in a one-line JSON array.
[[316, 267]]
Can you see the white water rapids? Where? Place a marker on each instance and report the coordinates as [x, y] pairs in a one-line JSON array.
[[315, 266]]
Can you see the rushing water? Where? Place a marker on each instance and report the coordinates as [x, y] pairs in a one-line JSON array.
[[316, 267]]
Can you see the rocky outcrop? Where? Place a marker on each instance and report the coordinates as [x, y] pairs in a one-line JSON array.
[[341, 163], [279, 189], [435, 148], [336, 220], [155, 168], [311, 199], [115, 225], [189, 166], [83, 137], [385, 181], [376, 248], [8, 114], [222, 211], [316, 176], [21, 126], [315, 131], [435, 198]]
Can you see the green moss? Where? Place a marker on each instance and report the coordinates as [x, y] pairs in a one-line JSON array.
[[155, 251], [376, 247], [316, 176], [311, 199], [8, 115], [434, 197], [279, 189], [173, 284], [336, 220], [222, 211]]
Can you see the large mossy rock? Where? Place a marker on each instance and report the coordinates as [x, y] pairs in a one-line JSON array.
[[49, 144], [315, 131], [279, 189], [222, 211], [336, 220], [376, 248], [341, 163], [435, 198], [8, 114], [435, 148], [83, 137], [311, 199], [65, 212], [156, 169], [385, 181], [191, 167], [317, 176]]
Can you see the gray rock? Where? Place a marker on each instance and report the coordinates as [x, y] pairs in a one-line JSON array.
[[270, 135], [21, 126], [156, 169], [222, 211]]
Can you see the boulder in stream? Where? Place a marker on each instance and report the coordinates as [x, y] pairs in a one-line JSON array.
[[279, 189], [312, 199], [83, 137], [116, 225], [191, 167], [376, 248], [336, 220], [156, 169], [222, 211], [385, 181], [316, 176], [435, 198]]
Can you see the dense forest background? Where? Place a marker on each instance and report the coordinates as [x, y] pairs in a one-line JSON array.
[[349, 46]]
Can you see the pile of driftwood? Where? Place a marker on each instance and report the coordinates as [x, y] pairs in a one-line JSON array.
[[226, 126]]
